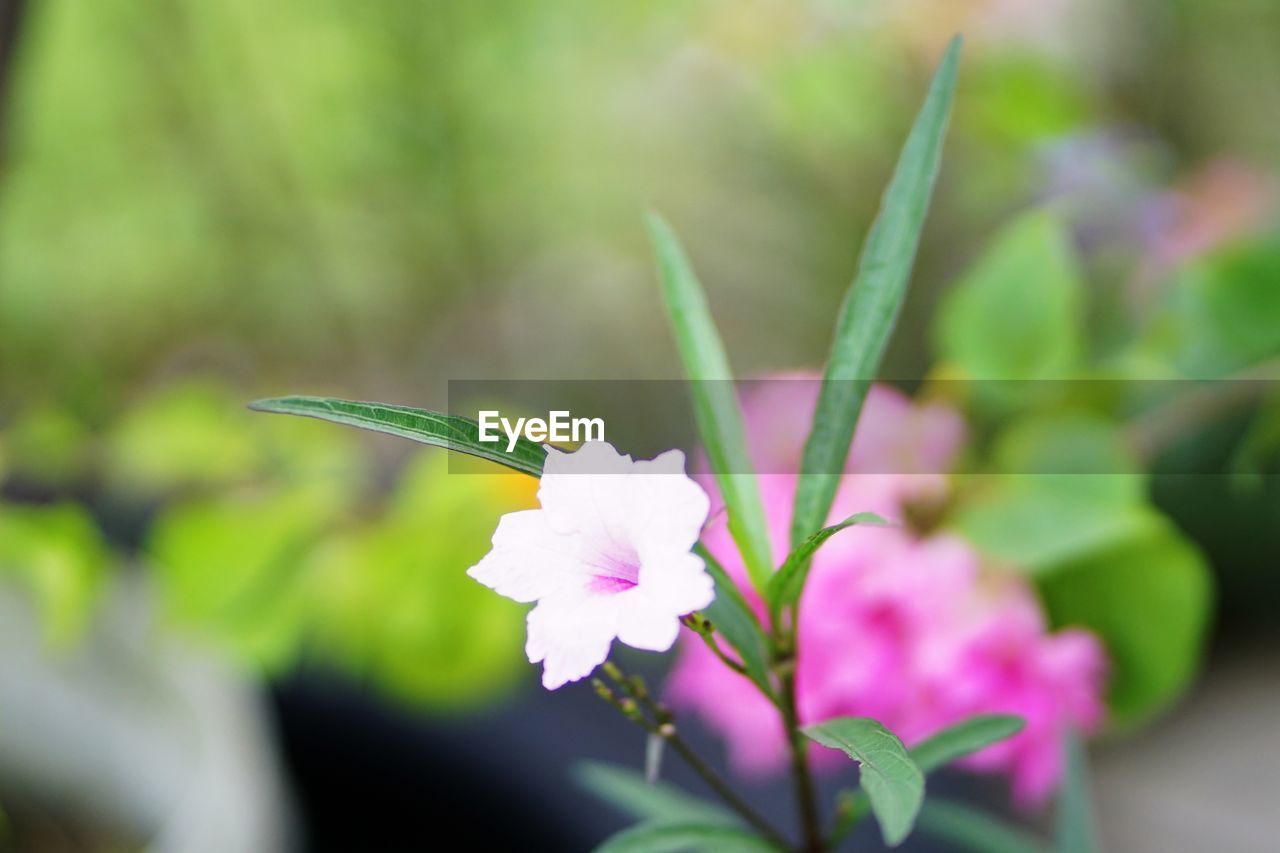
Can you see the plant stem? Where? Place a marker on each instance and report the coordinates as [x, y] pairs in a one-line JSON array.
[[663, 725], [785, 644], [699, 624], [718, 784], [806, 804]]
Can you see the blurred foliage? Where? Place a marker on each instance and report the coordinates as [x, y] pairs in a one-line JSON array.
[[439, 635], [1060, 488], [1219, 313], [1016, 314], [58, 553], [1148, 596], [268, 544], [366, 196]]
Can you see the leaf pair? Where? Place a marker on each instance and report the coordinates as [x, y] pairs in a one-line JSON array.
[[893, 776]]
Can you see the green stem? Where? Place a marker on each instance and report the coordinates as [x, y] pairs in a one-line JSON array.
[[806, 802], [663, 725], [703, 628], [785, 644]]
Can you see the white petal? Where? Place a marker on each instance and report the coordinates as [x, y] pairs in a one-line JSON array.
[[643, 626], [678, 580], [529, 560], [585, 491], [667, 508], [571, 635]]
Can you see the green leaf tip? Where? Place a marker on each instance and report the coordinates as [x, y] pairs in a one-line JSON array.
[[871, 305], [715, 400], [438, 429]]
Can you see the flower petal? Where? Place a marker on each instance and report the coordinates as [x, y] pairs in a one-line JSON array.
[[667, 507], [676, 582], [571, 634], [644, 626], [584, 491], [529, 560]]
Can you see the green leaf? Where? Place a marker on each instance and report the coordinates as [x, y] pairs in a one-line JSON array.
[[1018, 313], [1067, 485], [683, 837], [963, 738], [1219, 313], [733, 618], [787, 584], [59, 552], [1035, 524], [1076, 831], [192, 434], [871, 307], [233, 569], [969, 829], [389, 599], [931, 754], [888, 774], [1149, 600], [628, 791], [440, 430], [715, 402]]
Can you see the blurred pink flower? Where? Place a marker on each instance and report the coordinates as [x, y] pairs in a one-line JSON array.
[[907, 629], [607, 556]]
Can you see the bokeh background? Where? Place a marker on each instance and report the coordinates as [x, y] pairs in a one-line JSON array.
[[222, 631]]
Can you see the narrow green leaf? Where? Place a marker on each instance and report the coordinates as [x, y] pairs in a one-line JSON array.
[[871, 307], [715, 403], [969, 829], [448, 431], [1076, 830], [888, 774], [965, 737], [788, 582], [733, 619], [684, 837], [628, 791]]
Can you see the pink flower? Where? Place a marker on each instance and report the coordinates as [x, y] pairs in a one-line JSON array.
[[910, 630], [895, 436], [607, 556]]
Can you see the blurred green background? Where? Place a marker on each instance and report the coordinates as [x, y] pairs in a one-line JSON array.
[[203, 203]]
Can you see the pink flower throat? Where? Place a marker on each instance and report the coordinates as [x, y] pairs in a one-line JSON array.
[[619, 571]]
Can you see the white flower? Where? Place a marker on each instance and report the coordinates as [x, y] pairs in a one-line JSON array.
[[607, 556]]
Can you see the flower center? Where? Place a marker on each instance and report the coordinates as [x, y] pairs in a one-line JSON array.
[[617, 570]]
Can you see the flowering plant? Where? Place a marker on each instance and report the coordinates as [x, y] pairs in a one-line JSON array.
[[629, 550]]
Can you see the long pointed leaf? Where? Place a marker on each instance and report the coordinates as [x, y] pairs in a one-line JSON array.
[[732, 617], [788, 582], [891, 779], [965, 737], [871, 307], [969, 829], [715, 403], [434, 428], [684, 837], [1076, 830], [628, 791]]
